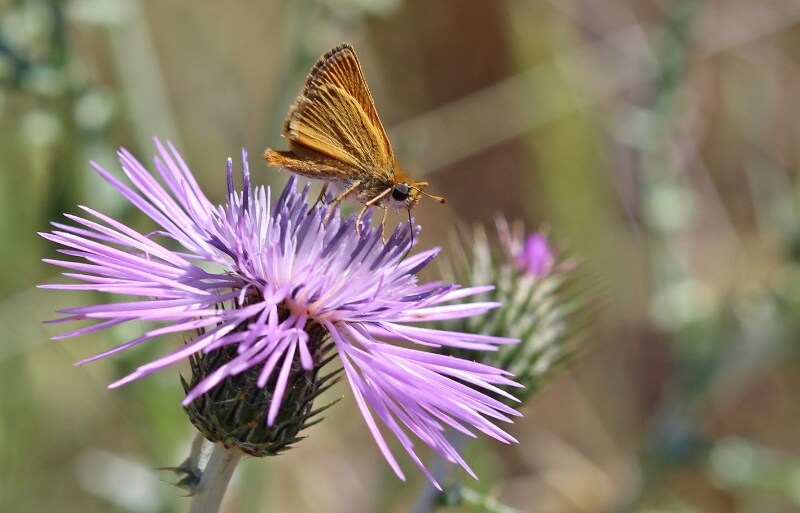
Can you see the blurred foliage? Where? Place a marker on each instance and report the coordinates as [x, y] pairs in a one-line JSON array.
[[659, 139]]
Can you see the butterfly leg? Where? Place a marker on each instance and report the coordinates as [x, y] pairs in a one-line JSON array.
[[370, 203], [383, 225], [321, 197], [338, 199], [358, 219]]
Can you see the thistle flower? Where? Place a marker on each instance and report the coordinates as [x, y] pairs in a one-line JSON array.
[[530, 284], [260, 289]]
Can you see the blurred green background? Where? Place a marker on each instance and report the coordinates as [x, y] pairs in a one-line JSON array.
[[658, 140]]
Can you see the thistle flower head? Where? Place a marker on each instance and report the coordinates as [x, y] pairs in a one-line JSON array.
[[261, 290]]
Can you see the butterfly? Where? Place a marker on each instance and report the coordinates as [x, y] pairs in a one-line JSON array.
[[335, 135]]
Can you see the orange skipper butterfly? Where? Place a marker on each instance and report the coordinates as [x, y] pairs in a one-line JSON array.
[[335, 135]]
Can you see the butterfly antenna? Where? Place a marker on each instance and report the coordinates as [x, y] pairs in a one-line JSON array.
[[419, 187], [440, 199]]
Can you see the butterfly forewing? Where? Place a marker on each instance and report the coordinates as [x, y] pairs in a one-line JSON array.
[[341, 68], [335, 116], [330, 122]]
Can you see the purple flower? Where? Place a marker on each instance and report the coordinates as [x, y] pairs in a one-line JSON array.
[[255, 274]]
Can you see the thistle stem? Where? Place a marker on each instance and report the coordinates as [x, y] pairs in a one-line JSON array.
[[429, 495], [216, 476]]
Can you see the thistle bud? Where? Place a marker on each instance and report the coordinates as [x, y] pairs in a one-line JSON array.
[[530, 281]]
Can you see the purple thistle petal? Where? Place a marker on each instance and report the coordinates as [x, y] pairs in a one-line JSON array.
[[88, 329], [280, 386], [114, 350], [461, 293], [435, 338], [445, 312]]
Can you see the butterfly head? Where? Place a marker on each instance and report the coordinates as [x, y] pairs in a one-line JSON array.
[[405, 195]]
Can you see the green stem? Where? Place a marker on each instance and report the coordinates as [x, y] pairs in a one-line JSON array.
[[487, 502], [216, 476]]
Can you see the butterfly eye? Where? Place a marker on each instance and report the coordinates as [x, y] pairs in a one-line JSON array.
[[400, 192]]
